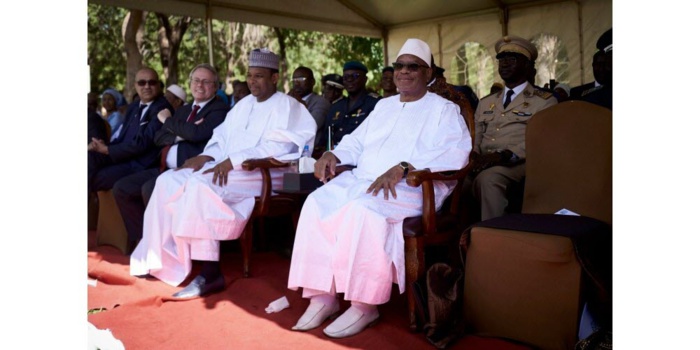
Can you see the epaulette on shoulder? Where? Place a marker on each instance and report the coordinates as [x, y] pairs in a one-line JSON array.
[[490, 95], [374, 94], [543, 94]]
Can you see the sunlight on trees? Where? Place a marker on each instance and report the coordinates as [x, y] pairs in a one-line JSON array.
[[322, 52], [473, 66], [552, 61]]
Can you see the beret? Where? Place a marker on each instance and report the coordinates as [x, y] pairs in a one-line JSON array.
[[350, 65]]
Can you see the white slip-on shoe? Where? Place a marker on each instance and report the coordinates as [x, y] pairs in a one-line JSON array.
[[314, 315], [351, 322]]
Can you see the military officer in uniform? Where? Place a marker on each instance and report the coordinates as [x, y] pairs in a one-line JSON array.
[[347, 114], [500, 121]]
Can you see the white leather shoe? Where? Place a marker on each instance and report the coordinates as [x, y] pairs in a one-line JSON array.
[[351, 322], [314, 315]]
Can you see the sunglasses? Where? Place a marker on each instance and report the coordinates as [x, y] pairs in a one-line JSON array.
[[149, 82], [351, 76], [410, 66]]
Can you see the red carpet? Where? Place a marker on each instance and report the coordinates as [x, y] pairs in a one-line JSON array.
[[141, 314]]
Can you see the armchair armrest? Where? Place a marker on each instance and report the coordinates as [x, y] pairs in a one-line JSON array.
[[425, 177], [264, 164]]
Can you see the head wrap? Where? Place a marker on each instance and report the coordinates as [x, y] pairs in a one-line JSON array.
[[117, 97]]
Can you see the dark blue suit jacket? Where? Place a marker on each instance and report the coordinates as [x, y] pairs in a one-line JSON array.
[[195, 134], [139, 149]]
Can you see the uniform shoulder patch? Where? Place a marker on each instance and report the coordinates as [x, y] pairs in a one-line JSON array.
[[490, 95], [543, 94]]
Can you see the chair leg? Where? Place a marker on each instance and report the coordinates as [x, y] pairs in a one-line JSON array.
[[247, 246], [415, 268]]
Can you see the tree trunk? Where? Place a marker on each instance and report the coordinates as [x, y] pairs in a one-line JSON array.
[[283, 59], [169, 40], [132, 29]]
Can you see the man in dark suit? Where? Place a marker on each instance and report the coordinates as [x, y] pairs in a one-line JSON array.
[[133, 149], [598, 71], [182, 136], [303, 80], [96, 126], [602, 95]]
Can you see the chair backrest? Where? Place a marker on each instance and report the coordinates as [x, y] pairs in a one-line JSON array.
[[569, 160]]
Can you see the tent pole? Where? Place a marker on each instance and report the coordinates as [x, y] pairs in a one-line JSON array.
[[580, 40], [503, 16], [439, 30], [385, 39], [209, 41]]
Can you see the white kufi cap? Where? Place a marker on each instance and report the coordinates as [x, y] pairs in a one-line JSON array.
[[416, 47], [178, 91]]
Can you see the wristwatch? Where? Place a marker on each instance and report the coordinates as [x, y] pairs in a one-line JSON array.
[[404, 166]]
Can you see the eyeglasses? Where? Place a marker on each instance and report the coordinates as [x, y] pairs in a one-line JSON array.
[[149, 82], [351, 76], [508, 60], [196, 81], [412, 67], [299, 79]]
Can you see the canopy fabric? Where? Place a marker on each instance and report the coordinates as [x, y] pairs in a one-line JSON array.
[[444, 25]]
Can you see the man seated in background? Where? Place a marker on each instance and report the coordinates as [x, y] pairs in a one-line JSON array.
[[182, 137], [240, 90], [387, 83], [97, 128], [133, 149], [176, 96], [303, 80], [210, 197], [350, 240], [332, 87], [500, 123], [348, 113]]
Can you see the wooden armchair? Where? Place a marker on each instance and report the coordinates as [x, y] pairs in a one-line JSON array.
[[265, 205], [434, 228], [431, 228]]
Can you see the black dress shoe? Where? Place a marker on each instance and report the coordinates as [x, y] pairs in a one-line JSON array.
[[199, 287]]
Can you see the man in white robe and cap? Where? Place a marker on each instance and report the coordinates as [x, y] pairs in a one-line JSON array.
[[210, 198], [349, 238]]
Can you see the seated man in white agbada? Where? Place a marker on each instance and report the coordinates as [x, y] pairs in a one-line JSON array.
[[349, 238], [210, 198]]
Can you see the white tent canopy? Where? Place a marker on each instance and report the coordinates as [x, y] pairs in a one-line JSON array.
[[445, 25]]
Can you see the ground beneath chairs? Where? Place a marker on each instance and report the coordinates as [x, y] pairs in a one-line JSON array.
[[141, 314]]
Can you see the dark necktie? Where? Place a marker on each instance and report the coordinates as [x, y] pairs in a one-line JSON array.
[[509, 94], [129, 127], [166, 149], [193, 114]]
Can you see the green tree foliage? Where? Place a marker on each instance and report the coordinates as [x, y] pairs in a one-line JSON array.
[[322, 52], [106, 55], [326, 53]]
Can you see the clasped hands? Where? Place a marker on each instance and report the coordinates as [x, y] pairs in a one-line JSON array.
[[385, 182], [98, 145]]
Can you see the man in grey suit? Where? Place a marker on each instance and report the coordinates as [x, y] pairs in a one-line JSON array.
[[303, 79]]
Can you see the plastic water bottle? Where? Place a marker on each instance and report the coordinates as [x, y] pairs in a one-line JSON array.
[[306, 152]]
